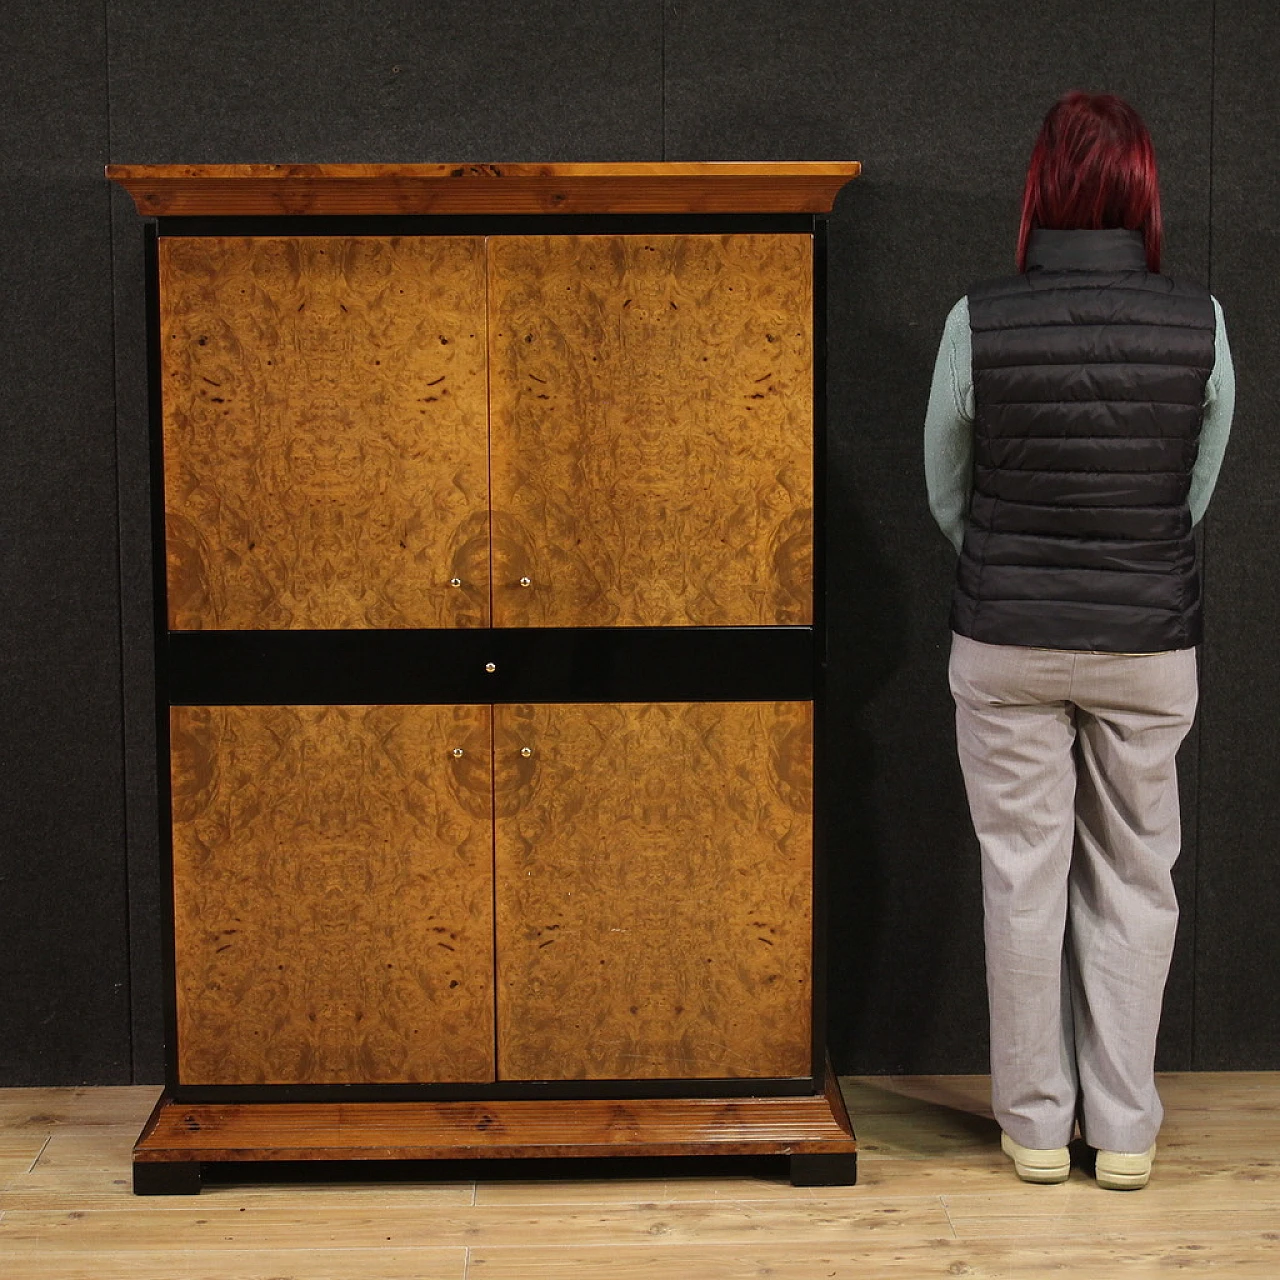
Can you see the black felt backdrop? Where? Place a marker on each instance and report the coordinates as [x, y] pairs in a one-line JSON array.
[[940, 103]]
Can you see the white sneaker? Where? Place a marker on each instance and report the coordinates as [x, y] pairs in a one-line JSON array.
[[1052, 1165], [1124, 1171]]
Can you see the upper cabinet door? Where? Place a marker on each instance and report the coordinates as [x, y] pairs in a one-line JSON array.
[[325, 431], [652, 429]]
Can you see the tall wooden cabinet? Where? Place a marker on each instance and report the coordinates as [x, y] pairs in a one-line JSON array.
[[490, 654]]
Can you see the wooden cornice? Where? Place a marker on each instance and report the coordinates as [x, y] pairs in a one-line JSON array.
[[179, 190]]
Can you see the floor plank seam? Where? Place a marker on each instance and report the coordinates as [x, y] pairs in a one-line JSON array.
[[942, 1202], [44, 1146], [282, 1252]]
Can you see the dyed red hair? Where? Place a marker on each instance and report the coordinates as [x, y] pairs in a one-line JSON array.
[[1092, 167]]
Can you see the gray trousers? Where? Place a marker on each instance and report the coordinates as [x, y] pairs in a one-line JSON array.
[[1068, 762]]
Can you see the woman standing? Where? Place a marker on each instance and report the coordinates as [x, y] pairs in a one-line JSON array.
[[1077, 419]]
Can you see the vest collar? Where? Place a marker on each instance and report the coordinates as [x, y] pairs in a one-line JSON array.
[[1111, 250]]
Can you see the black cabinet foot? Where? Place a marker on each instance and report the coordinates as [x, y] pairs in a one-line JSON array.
[[164, 1178], [839, 1170]]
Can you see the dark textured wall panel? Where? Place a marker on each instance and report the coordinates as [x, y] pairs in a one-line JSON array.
[[384, 80], [1237, 1013], [392, 80], [63, 945], [941, 104]]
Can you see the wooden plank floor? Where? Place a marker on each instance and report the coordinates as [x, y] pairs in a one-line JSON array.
[[935, 1198]]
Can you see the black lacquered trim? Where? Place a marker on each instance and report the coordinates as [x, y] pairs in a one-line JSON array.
[[735, 1087], [532, 664], [819, 877], [512, 224], [160, 608]]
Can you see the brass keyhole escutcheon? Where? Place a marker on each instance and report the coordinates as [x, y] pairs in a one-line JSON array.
[[491, 667], [457, 753], [526, 582], [526, 752], [455, 582]]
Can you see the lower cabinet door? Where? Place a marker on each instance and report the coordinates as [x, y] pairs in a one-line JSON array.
[[333, 890], [653, 890]]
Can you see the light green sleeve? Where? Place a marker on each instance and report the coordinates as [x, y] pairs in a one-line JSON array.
[[948, 427], [1219, 406]]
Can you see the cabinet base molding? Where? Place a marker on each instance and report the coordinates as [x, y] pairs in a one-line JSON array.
[[179, 1137]]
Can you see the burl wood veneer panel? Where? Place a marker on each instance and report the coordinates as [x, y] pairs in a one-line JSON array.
[[654, 905], [652, 429], [333, 894], [325, 431]]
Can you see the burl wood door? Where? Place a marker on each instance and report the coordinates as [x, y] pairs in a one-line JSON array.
[[325, 431], [653, 890], [333, 888], [652, 429]]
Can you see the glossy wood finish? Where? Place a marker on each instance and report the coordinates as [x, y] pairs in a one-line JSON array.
[[181, 190], [333, 894], [185, 1132], [327, 409], [654, 911], [325, 431], [652, 428]]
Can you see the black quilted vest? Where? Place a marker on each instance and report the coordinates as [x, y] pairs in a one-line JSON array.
[[1089, 376]]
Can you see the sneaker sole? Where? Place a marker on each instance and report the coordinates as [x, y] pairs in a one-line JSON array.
[[1118, 1171], [1055, 1168]]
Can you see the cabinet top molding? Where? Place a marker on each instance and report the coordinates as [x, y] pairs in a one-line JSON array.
[[181, 190]]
